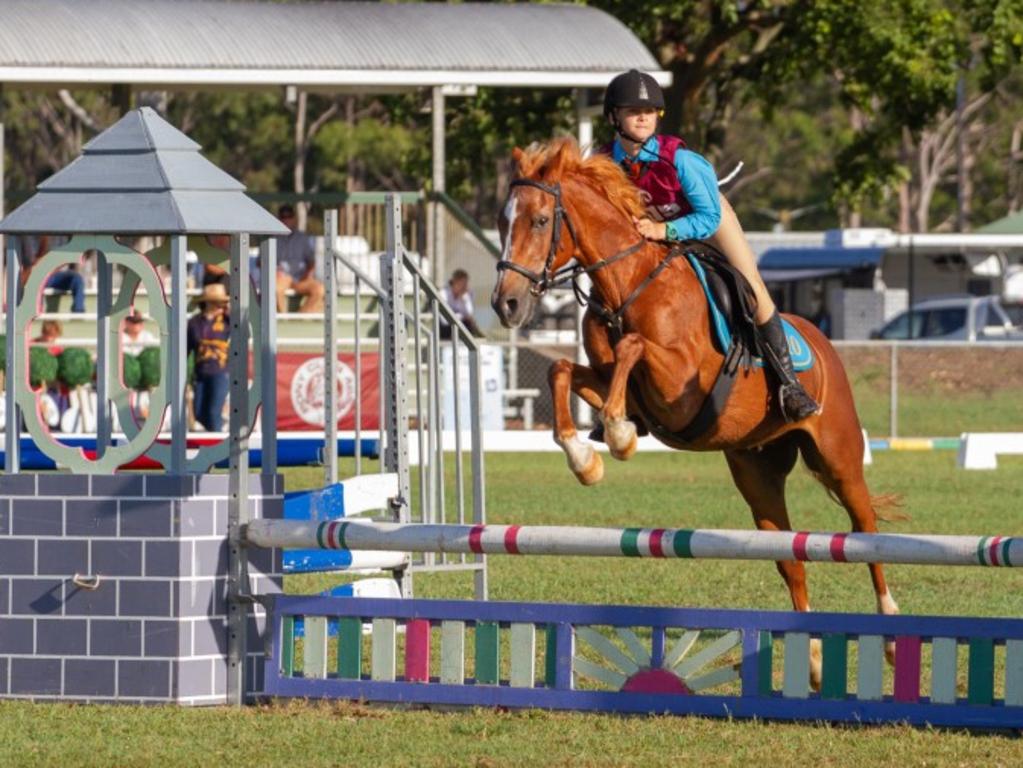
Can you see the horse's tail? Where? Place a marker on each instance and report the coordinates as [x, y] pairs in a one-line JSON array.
[[884, 504]]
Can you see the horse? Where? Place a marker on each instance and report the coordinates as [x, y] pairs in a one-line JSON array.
[[647, 336]]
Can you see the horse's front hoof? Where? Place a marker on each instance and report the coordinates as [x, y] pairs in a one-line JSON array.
[[620, 436], [583, 460], [593, 472]]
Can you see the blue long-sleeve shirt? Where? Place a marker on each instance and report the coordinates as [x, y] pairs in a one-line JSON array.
[[699, 184]]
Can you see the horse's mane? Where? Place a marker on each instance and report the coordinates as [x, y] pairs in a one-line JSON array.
[[559, 159]]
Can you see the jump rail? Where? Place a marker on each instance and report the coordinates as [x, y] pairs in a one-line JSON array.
[[640, 542]]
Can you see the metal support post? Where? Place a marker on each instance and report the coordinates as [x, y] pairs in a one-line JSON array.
[[439, 185], [14, 373], [396, 451], [268, 354], [330, 403], [178, 368], [238, 496], [104, 358]]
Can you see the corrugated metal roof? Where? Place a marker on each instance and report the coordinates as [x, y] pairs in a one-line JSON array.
[[141, 175], [252, 35]]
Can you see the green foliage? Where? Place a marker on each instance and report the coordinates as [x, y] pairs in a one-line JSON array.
[[42, 367], [75, 367], [149, 365], [3, 353], [131, 371]]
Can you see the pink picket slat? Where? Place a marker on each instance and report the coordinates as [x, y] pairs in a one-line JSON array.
[[417, 651], [907, 668]]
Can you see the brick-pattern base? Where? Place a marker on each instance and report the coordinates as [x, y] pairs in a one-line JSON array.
[[154, 629]]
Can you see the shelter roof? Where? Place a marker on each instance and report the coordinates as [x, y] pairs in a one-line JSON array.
[[141, 175], [356, 45]]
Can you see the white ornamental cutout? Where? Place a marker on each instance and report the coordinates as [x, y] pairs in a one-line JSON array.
[[308, 386]]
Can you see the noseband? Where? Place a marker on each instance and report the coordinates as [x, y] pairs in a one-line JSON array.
[[539, 283]]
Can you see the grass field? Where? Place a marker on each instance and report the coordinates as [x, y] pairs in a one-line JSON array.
[[676, 490]]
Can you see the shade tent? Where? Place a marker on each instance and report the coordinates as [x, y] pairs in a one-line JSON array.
[[1009, 225], [335, 47], [785, 264]]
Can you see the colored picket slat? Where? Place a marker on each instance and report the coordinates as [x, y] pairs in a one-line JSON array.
[[488, 653], [907, 668], [835, 650], [869, 668], [796, 672], [980, 687], [550, 655], [765, 664], [314, 648], [1014, 673], [452, 652], [523, 655], [288, 646], [417, 651], [382, 662], [349, 648], [943, 670]]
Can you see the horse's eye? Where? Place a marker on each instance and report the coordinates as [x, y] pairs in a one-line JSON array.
[[540, 222]]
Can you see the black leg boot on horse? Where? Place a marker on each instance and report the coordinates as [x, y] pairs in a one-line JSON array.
[[796, 403]]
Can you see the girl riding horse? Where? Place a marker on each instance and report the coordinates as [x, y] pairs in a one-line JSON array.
[[680, 189]]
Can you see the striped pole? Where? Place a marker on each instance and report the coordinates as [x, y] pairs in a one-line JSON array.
[[570, 541]]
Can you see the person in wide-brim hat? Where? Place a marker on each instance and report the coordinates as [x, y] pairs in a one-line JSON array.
[[214, 293]]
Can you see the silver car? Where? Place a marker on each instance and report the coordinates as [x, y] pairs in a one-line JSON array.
[[952, 318]]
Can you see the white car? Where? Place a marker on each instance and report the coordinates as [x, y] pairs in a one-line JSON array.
[[952, 318]]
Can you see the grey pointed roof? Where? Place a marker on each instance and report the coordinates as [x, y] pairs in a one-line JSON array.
[[142, 176]]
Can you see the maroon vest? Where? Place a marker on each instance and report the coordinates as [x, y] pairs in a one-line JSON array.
[[658, 180]]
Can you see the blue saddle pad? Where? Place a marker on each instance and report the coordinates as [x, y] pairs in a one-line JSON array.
[[802, 355]]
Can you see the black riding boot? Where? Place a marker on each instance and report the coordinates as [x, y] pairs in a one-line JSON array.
[[796, 403]]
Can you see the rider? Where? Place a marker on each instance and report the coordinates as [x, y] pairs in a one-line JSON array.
[[683, 203]]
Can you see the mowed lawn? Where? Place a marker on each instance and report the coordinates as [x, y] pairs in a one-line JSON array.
[[670, 490]]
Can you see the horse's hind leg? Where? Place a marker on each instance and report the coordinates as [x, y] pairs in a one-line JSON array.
[[566, 377], [836, 460], [760, 477]]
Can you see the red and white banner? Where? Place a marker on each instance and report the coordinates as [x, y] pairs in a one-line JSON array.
[[300, 391]]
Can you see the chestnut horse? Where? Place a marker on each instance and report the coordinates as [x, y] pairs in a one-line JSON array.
[[563, 208]]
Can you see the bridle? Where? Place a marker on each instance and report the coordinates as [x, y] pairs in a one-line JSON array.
[[550, 278], [539, 283]]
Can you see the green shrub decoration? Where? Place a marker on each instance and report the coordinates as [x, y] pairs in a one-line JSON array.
[[131, 370], [149, 362], [75, 367], [42, 366], [3, 353]]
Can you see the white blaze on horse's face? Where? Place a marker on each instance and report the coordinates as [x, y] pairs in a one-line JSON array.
[[507, 223]]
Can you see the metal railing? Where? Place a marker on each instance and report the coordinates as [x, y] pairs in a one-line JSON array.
[[424, 353]]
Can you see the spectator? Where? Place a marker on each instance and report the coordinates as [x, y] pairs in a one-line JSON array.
[[208, 334], [296, 264], [457, 296], [50, 332], [66, 280], [135, 337]]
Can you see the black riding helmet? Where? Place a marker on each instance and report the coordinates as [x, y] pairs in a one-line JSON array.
[[632, 89]]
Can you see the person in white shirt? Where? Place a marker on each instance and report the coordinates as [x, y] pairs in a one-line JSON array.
[[457, 296], [135, 337]]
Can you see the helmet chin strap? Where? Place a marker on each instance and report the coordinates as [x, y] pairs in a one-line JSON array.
[[621, 132]]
